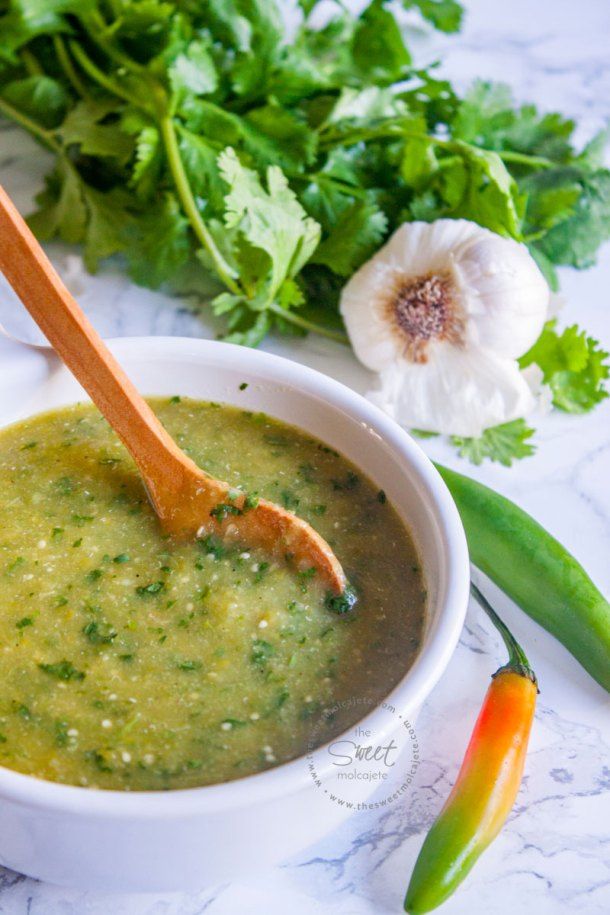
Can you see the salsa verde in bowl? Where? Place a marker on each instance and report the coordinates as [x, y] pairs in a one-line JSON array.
[[133, 662], [127, 594]]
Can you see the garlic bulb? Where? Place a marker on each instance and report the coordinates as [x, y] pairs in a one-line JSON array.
[[442, 312]]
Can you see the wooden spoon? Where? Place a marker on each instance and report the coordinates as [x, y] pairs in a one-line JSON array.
[[188, 501]]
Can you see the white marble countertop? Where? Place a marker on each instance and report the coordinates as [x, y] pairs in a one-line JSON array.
[[554, 854]]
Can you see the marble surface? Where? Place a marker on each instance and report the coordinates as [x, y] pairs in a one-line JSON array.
[[554, 854]]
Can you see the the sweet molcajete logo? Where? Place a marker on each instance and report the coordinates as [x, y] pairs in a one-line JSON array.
[[372, 764]]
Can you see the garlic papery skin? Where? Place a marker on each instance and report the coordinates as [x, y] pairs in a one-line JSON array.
[[455, 393], [442, 312]]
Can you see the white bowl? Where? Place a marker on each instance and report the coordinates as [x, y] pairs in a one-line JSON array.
[[185, 839]]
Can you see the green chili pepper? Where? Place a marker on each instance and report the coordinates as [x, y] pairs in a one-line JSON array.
[[535, 571], [487, 784]]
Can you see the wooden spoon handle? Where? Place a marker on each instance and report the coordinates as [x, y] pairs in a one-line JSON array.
[[35, 281], [183, 496]]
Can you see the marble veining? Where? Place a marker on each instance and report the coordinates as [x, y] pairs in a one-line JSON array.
[[554, 854]]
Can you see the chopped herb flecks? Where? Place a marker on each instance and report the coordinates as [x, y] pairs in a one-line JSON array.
[[340, 603], [289, 500], [155, 587], [262, 651], [223, 509], [63, 670], [99, 632], [189, 665]]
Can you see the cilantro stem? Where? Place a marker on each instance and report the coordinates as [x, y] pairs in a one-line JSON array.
[[185, 193], [68, 67], [358, 136], [97, 30], [337, 335], [394, 131], [508, 155], [45, 136], [343, 186], [97, 76], [30, 63]]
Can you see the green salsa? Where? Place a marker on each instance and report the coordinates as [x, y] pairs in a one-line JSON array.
[[132, 662]]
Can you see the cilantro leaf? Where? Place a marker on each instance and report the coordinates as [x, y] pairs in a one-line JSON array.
[[307, 5], [148, 162], [349, 50], [575, 240], [480, 187], [273, 135], [326, 200], [593, 155], [228, 23], [270, 134], [280, 236], [484, 114], [503, 444], [573, 365], [77, 212], [194, 71], [83, 126], [62, 210], [107, 226], [364, 108], [297, 73], [200, 163], [160, 243], [378, 48], [549, 207], [354, 238], [419, 161], [445, 15], [41, 98], [464, 181], [27, 19], [487, 116], [259, 42], [143, 27], [245, 327]]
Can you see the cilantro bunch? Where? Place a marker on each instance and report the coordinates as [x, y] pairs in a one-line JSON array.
[[193, 138]]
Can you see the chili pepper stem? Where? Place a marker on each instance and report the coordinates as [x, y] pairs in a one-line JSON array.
[[517, 659]]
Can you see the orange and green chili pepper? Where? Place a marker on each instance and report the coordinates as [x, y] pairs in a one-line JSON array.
[[487, 784], [536, 571]]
